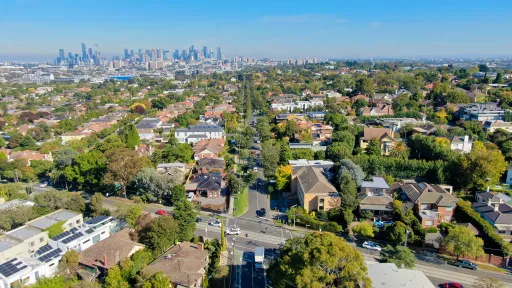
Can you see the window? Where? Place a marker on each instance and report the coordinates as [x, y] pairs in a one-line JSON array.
[[32, 244], [53, 264], [429, 223], [41, 240], [102, 232], [449, 209], [86, 241], [78, 222], [502, 232]]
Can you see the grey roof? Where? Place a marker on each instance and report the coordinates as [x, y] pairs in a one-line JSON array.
[[313, 181], [211, 163], [201, 128], [193, 136], [24, 232], [16, 203], [428, 194], [211, 181], [7, 242], [170, 165], [378, 182], [50, 219], [387, 275], [502, 216]]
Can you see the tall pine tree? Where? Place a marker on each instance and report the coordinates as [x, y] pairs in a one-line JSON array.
[[130, 136]]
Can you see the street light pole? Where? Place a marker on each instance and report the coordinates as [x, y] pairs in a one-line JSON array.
[[406, 233]]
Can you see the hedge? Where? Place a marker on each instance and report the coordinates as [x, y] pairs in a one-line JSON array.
[[302, 219], [465, 213]]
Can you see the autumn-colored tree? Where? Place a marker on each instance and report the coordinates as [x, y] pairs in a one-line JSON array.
[[123, 165], [283, 177]]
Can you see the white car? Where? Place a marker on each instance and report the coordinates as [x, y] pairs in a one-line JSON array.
[[44, 184], [215, 223], [233, 231], [255, 169], [371, 246]]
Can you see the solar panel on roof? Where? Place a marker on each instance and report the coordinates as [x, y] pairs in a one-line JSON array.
[[62, 235], [96, 220], [89, 231], [73, 237], [8, 268], [44, 249], [50, 255]]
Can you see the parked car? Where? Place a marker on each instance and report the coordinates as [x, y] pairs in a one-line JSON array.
[[451, 285], [371, 246], [255, 169], [262, 212], [198, 220], [233, 231], [465, 264], [381, 224], [43, 184], [162, 212], [215, 223]]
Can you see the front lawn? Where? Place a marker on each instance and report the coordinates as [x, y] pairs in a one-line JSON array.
[[241, 203]]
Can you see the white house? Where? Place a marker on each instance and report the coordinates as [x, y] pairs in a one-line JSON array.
[[459, 144], [197, 133], [84, 236]]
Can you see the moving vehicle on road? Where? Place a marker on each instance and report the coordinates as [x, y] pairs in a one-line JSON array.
[[259, 257], [451, 285], [262, 212], [233, 231], [162, 212], [215, 223], [371, 246], [463, 263]]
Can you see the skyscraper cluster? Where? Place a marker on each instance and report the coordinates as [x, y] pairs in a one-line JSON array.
[[91, 57], [192, 54]]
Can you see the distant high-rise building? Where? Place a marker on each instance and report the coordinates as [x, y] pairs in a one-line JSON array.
[[84, 51], [205, 52], [210, 53], [90, 53], [176, 54], [126, 54], [61, 56], [132, 53], [96, 55], [219, 54], [159, 54], [184, 55]]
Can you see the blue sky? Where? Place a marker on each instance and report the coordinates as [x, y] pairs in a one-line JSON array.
[[372, 28]]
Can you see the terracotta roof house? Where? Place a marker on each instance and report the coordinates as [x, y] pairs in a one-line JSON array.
[[378, 110], [185, 265], [433, 203], [384, 135], [27, 155], [359, 96], [208, 148], [96, 127], [313, 189], [106, 254], [375, 198]]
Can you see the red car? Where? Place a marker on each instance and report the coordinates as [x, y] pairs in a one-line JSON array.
[[162, 212], [451, 285]]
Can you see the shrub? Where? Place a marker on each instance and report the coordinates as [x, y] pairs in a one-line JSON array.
[[431, 230], [302, 218]]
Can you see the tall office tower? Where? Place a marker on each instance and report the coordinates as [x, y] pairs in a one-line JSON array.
[[70, 57], [219, 54], [160, 54], [139, 52], [176, 54], [90, 53], [205, 52], [210, 54], [184, 55], [191, 49], [61, 56], [96, 55], [126, 54], [84, 51]]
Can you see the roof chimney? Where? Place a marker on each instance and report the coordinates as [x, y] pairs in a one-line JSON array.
[[466, 139], [105, 260], [496, 207], [487, 188]]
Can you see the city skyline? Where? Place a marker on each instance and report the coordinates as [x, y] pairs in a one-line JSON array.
[[335, 29]]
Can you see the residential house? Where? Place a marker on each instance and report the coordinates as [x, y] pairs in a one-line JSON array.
[[22, 271], [208, 148], [426, 129], [359, 96], [314, 191], [176, 170], [495, 208], [206, 185], [323, 164], [400, 92], [185, 265], [378, 110], [384, 135], [27, 155], [492, 126], [197, 133], [210, 165], [107, 254], [84, 236], [481, 111], [317, 115], [70, 136], [146, 128], [321, 133], [461, 144], [433, 203], [375, 198]]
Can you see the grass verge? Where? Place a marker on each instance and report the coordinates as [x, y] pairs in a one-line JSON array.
[[241, 203]]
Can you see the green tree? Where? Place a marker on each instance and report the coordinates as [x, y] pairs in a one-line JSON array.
[[28, 141], [349, 198], [177, 153], [461, 241], [222, 237], [129, 214], [185, 215], [269, 158], [373, 147], [178, 193], [363, 229], [149, 181], [365, 85], [355, 171], [88, 169], [2, 142], [400, 151], [319, 260], [338, 151], [263, 129], [401, 256], [114, 279], [481, 167], [64, 157], [130, 136], [499, 78], [53, 282], [397, 233], [95, 206], [123, 165], [14, 141], [68, 265], [160, 234], [157, 280]]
